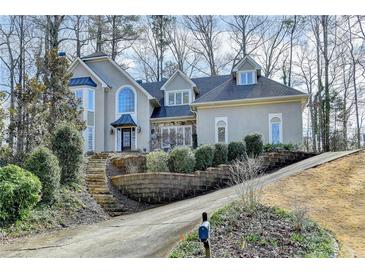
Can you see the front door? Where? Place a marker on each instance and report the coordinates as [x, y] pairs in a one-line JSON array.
[[126, 139]]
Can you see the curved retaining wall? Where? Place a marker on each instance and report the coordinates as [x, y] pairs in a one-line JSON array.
[[163, 187]]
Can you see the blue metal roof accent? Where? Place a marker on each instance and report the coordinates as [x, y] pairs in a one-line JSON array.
[[81, 81], [124, 120]]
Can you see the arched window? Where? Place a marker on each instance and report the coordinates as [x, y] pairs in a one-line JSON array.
[[276, 134], [126, 99], [221, 134]]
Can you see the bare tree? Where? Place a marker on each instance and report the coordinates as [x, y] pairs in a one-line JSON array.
[[77, 24], [354, 60], [122, 34], [273, 45], [205, 31], [244, 31], [180, 42], [244, 176], [10, 60]]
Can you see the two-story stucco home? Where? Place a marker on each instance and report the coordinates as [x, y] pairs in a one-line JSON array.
[[123, 114]]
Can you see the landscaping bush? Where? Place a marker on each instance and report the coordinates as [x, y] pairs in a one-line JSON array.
[[157, 161], [204, 157], [67, 145], [220, 154], [254, 144], [19, 193], [236, 151], [278, 147], [181, 160], [44, 164]]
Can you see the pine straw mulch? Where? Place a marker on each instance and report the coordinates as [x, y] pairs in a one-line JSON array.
[[334, 194]]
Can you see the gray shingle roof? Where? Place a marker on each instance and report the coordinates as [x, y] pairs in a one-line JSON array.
[[264, 87], [204, 84]]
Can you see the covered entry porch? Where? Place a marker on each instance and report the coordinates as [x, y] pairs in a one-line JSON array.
[[125, 133]]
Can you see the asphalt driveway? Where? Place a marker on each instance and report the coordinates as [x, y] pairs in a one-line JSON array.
[[151, 233]]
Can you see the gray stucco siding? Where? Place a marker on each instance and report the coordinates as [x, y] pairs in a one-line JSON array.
[[113, 77], [248, 119], [80, 71]]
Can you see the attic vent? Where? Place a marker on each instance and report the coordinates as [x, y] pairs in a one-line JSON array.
[[139, 81]]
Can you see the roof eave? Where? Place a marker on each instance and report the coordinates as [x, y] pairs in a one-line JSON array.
[[300, 97]]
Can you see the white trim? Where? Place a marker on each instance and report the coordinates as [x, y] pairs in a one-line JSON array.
[[237, 101], [78, 60], [118, 114], [279, 116], [216, 120], [244, 59], [177, 126], [174, 75], [254, 77]]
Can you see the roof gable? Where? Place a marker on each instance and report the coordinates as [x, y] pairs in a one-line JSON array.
[[246, 62], [173, 77], [78, 61]]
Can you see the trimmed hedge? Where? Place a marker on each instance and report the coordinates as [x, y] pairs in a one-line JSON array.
[[220, 154], [254, 144], [156, 161], [204, 157], [44, 164], [67, 145], [236, 151], [19, 193], [181, 160]]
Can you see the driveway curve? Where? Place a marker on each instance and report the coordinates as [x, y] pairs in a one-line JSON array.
[[151, 233]]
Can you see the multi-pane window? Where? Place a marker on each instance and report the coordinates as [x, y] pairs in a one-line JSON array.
[[175, 98], [176, 136], [126, 100], [247, 78], [221, 134], [275, 130], [90, 100], [221, 128], [90, 138]]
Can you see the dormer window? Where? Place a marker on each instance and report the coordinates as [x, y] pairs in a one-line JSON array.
[[176, 98], [247, 77]]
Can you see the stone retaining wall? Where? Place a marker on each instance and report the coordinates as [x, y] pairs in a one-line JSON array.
[[163, 187]]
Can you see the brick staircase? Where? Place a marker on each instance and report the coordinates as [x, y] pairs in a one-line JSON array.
[[97, 184]]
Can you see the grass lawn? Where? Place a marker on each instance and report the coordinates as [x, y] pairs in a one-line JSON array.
[[334, 195], [237, 231]]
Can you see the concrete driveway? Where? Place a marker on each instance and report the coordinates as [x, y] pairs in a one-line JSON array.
[[151, 233]]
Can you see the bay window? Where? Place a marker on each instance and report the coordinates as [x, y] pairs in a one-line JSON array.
[[172, 136]]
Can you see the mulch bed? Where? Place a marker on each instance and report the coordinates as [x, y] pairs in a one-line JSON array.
[[266, 232]]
